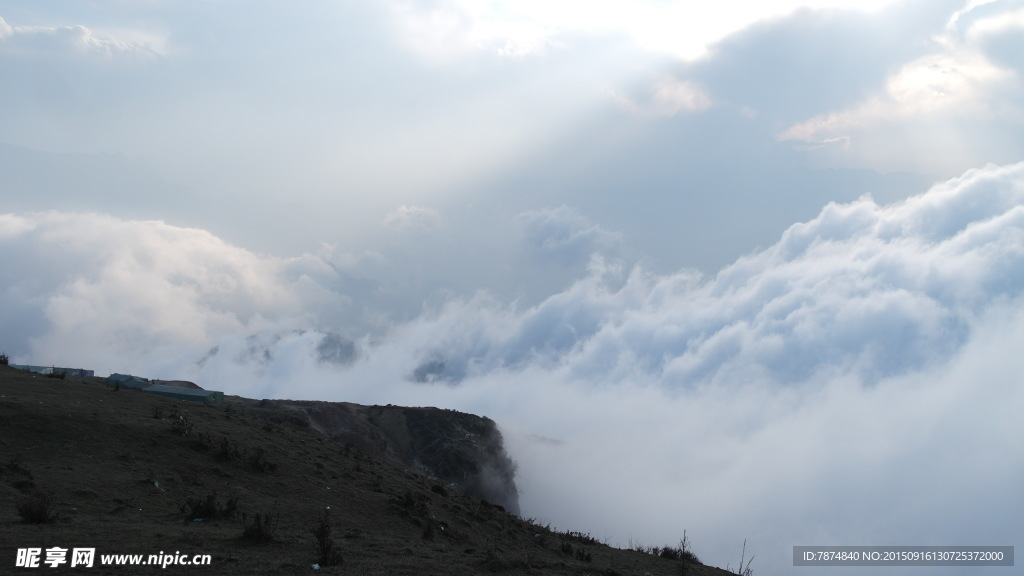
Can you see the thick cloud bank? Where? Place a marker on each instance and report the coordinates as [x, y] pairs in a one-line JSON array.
[[855, 383]]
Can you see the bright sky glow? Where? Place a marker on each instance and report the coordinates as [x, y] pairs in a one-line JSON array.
[[684, 29]]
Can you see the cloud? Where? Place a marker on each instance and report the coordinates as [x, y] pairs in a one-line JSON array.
[[864, 290], [809, 393], [443, 30], [824, 390], [80, 41], [12, 225], [1001, 37], [667, 97], [414, 217], [130, 295], [814, 60], [565, 235], [959, 102]]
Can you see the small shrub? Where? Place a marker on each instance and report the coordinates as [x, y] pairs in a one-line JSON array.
[[183, 425], [158, 412], [744, 570], [16, 465], [326, 553], [259, 463], [579, 537], [262, 527], [4, 360], [686, 553], [38, 508], [429, 532], [682, 553], [24, 485], [57, 373], [209, 508], [227, 450]]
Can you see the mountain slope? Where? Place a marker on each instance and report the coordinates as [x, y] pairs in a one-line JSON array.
[[129, 473]]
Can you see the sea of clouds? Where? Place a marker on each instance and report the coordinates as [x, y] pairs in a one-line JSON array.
[[856, 383]]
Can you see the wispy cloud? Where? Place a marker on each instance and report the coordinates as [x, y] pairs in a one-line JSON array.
[[940, 102], [414, 217], [443, 29], [80, 41], [565, 235]]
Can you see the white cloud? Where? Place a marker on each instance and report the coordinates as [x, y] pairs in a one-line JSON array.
[[407, 217], [442, 29], [821, 391], [808, 393], [1010, 21], [566, 236], [80, 41], [667, 97], [14, 225], [940, 113], [959, 81], [134, 295]]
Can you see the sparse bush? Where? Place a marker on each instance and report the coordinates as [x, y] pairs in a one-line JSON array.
[[227, 450], [686, 553], [158, 411], [429, 532], [682, 552], [4, 360], [326, 553], [209, 508], [38, 508], [493, 562], [579, 553], [58, 373], [183, 425], [16, 465], [744, 569], [259, 463], [262, 527], [579, 537]]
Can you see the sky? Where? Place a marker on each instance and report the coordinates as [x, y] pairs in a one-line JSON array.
[[752, 270]]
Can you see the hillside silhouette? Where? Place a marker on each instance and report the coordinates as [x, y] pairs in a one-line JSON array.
[[272, 488]]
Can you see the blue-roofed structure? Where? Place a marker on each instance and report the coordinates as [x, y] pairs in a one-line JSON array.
[[208, 396], [128, 382], [52, 369]]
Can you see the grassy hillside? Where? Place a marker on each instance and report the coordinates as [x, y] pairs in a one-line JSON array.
[[128, 473]]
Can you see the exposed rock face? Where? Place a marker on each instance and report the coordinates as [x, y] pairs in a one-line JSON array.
[[463, 451]]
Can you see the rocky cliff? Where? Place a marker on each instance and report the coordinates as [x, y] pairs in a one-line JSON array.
[[463, 451]]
